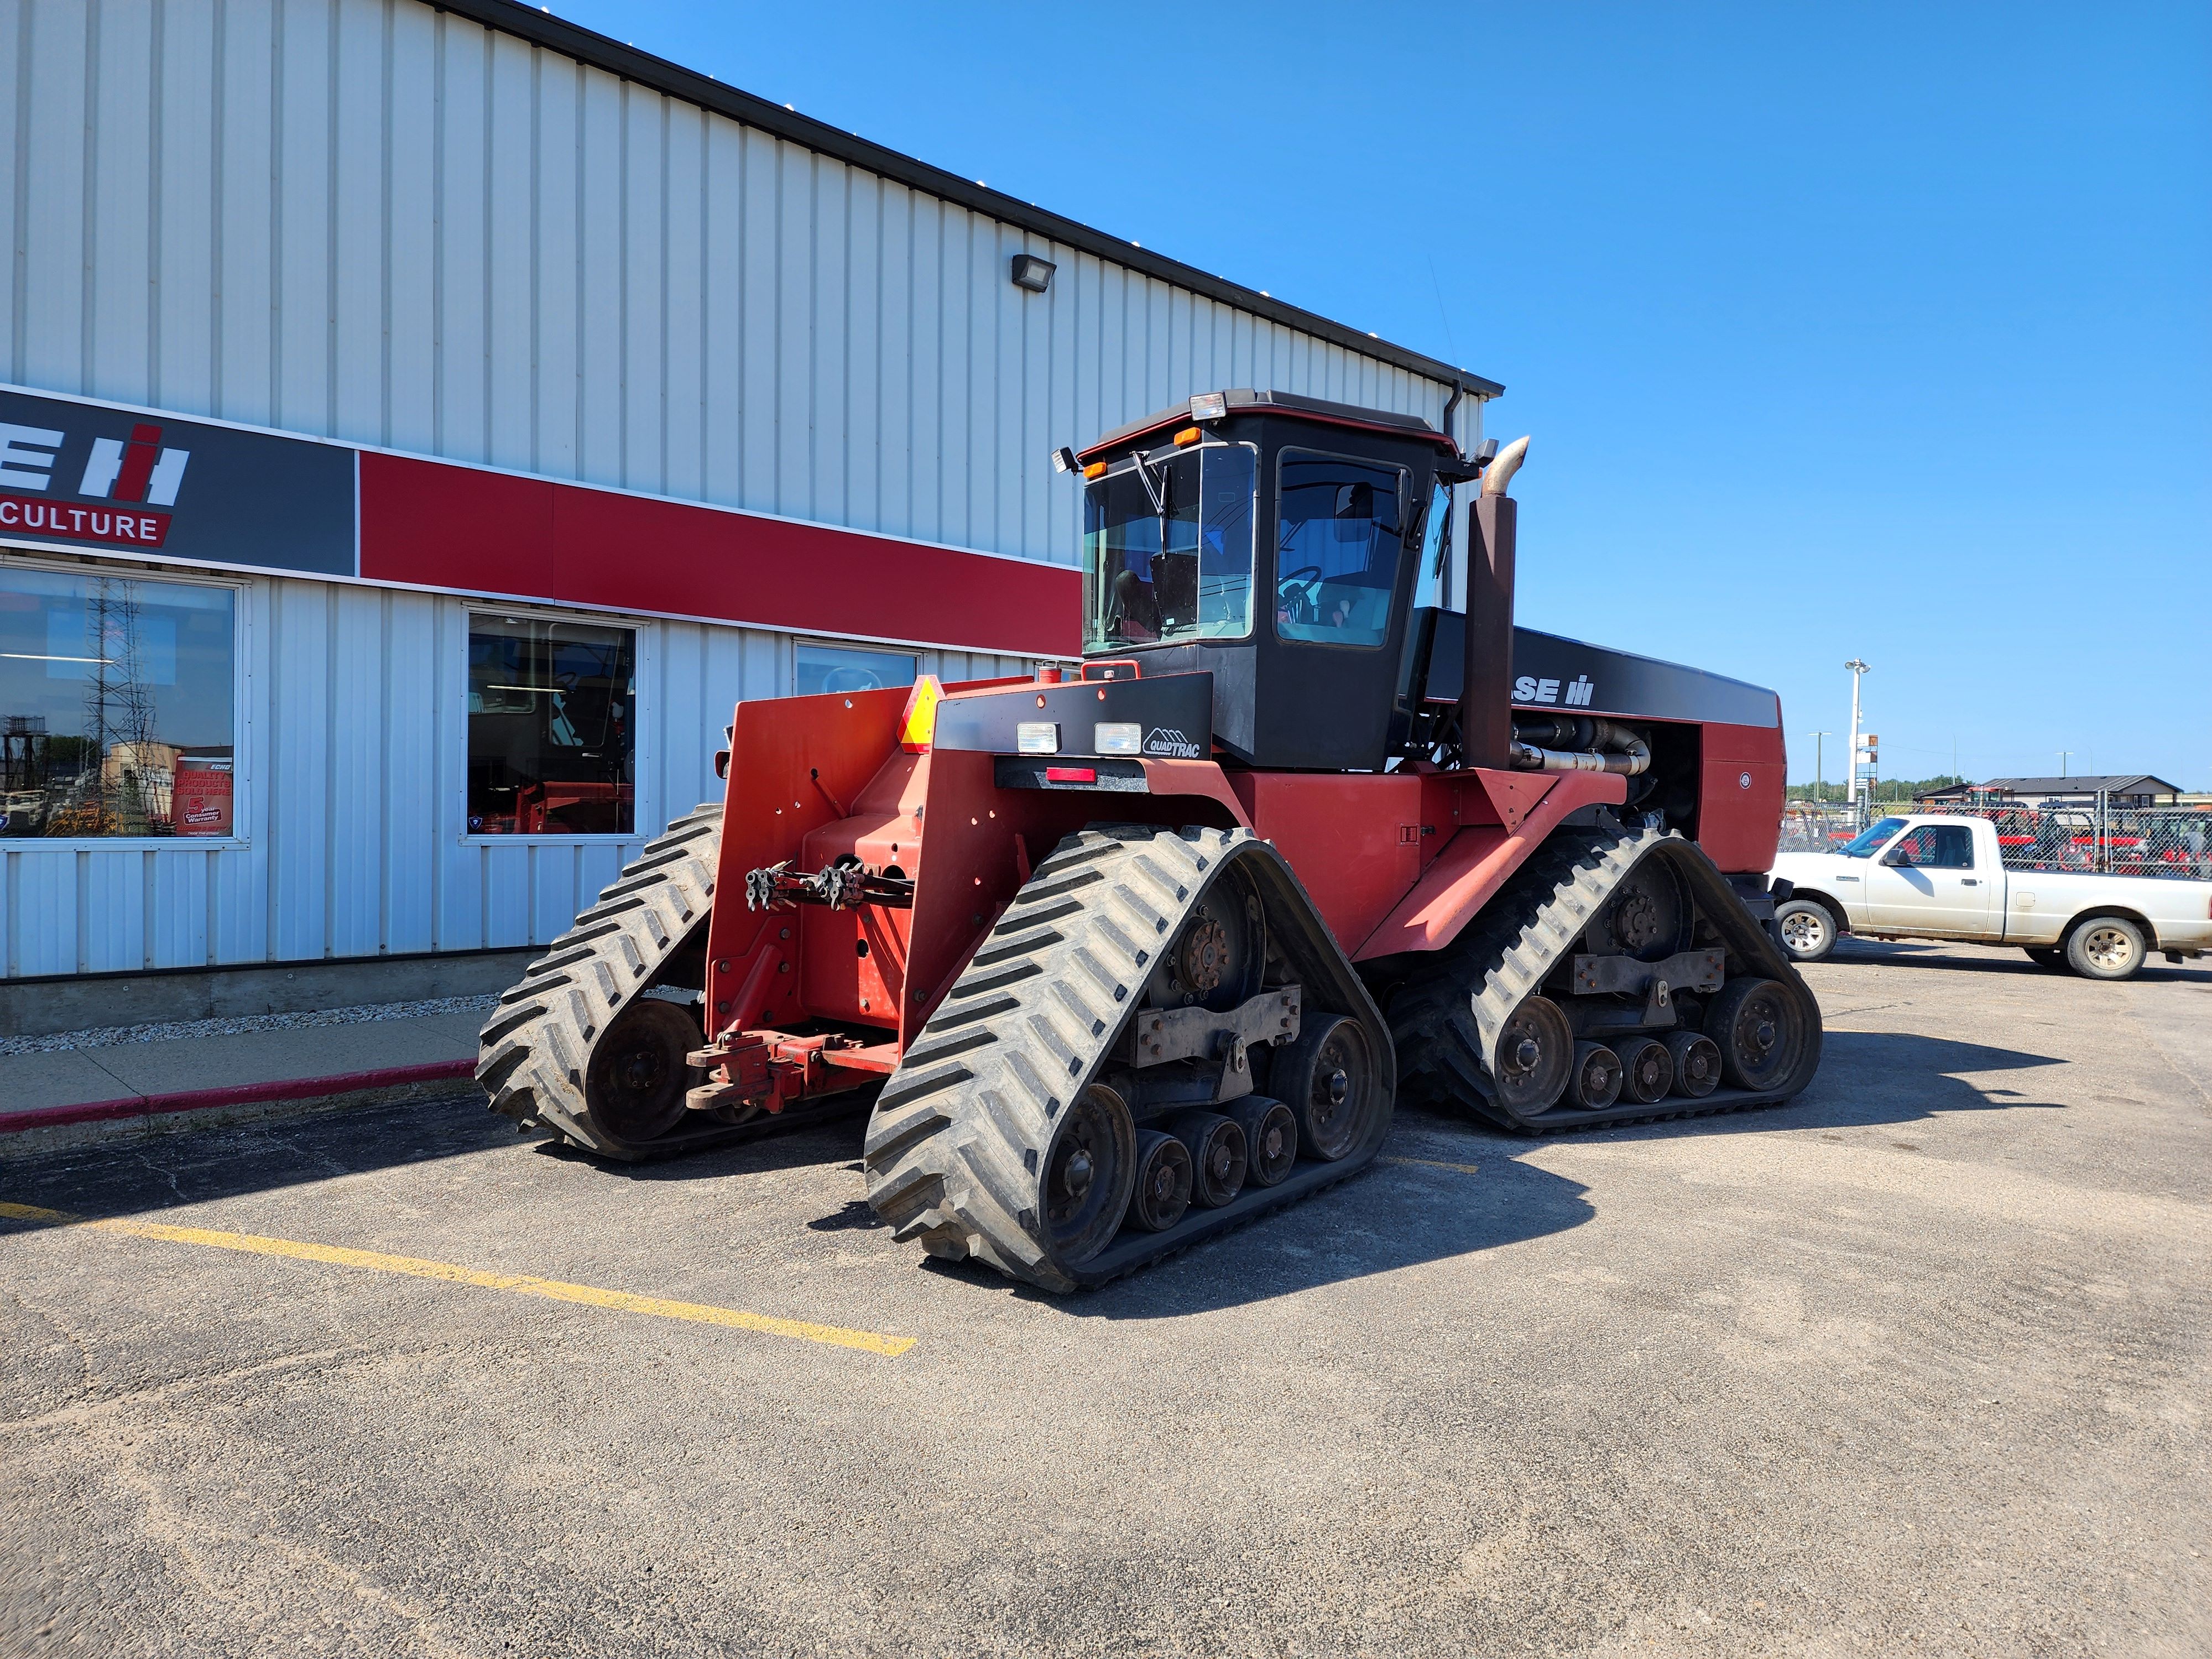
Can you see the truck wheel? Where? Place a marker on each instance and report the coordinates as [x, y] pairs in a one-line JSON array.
[[1808, 928], [2105, 947]]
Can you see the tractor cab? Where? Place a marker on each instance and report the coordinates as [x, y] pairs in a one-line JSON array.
[[1273, 541]]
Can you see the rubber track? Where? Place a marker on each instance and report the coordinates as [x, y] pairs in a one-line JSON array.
[[533, 1052], [1445, 1019], [953, 1148]]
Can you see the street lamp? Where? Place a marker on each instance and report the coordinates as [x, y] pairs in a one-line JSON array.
[[1858, 669]]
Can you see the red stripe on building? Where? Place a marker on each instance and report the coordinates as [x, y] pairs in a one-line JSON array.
[[455, 527]]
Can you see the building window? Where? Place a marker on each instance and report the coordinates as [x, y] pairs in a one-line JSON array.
[[118, 705], [552, 728], [839, 668]]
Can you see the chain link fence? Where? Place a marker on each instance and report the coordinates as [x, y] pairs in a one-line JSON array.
[[2100, 838], [2090, 837]]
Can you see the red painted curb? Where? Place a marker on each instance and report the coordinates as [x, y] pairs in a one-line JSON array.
[[244, 1094]]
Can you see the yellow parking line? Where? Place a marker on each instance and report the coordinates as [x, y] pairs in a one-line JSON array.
[[1433, 1163], [524, 1284]]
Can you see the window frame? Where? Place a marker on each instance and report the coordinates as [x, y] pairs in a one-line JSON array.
[[800, 642], [644, 809], [1252, 592], [1276, 553], [15, 558]]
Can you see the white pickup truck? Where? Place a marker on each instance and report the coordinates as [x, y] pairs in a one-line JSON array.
[[1938, 877]]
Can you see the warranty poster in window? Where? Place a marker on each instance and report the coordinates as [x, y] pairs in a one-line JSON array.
[[202, 794]]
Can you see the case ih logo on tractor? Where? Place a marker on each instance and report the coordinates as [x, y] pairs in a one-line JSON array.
[[118, 472], [1102, 1005]]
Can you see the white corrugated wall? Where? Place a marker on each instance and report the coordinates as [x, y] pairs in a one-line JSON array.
[[353, 798], [369, 220]]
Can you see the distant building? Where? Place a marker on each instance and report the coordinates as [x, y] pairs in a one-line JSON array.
[[2139, 790]]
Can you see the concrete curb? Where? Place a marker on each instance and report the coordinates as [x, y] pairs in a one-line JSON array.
[[31, 1129]]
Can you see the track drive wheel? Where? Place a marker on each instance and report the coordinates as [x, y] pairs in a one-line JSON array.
[[1755, 1025]]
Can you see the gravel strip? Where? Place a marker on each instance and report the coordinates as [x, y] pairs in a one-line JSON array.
[[179, 1030]]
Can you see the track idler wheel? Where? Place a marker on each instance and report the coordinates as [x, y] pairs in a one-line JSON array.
[[1329, 1078], [1090, 1173], [1271, 1138], [1596, 1080], [635, 1082], [1647, 1070], [1697, 1064], [1164, 1172], [1756, 1025], [1218, 1158], [1535, 1054]]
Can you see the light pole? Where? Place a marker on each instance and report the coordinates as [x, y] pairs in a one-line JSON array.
[[2064, 755], [1858, 811], [1819, 768]]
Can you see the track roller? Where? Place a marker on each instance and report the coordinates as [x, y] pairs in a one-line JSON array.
[[1004, 1135], [1271, 1138], [1164, 1173], [1217, 1158], [1594, 1078], [1647, 1070], [1697, 1063], [1491, 1022]]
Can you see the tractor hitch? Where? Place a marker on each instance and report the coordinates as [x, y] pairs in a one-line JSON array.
[[845, 884], [771, 1070]]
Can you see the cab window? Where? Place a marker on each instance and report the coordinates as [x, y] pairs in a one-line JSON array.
[[1935, 846], [1340, 528]]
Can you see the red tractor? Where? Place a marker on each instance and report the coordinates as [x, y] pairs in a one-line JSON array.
[[1129, 953]]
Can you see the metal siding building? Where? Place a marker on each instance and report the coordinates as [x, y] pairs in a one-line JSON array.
[[476, 233]]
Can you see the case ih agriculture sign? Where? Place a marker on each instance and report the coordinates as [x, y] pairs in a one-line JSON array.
[[94, 478], [84, 476]]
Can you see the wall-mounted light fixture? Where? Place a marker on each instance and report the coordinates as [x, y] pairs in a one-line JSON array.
[[1032, 273]]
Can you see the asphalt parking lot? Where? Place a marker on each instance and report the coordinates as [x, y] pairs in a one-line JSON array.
[[1917, 1365]]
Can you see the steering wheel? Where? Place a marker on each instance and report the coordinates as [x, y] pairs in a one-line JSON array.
[[1301, 601]]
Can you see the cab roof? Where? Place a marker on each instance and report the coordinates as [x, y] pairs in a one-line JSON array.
[[1245, 401]]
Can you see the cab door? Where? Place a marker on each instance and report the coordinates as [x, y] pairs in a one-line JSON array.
[[1930, 880]]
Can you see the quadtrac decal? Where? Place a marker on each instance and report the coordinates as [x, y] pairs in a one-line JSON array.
[[1166, 743], [106, 478]]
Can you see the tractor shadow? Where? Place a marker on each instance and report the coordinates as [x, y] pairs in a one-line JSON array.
[[1412, 1206], [195, 1165]]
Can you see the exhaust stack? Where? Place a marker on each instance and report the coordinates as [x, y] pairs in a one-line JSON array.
[[1485, 702]]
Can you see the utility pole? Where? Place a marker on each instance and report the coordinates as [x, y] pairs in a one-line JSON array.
[[1819, 768], [1858, 670], [2064, 755]]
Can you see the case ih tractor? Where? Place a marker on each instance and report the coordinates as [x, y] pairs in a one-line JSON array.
[[1130, 953]]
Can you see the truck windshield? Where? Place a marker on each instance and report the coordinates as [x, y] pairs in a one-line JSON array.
[[1167, 549], [1871, 839]]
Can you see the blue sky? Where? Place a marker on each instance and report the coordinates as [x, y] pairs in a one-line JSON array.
[[1879, 330]]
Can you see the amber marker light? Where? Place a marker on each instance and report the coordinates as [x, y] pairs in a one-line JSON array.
[[1188, 436], [1095, 469]]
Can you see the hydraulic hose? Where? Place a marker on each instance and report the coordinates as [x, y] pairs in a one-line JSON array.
[[1599, 745]]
